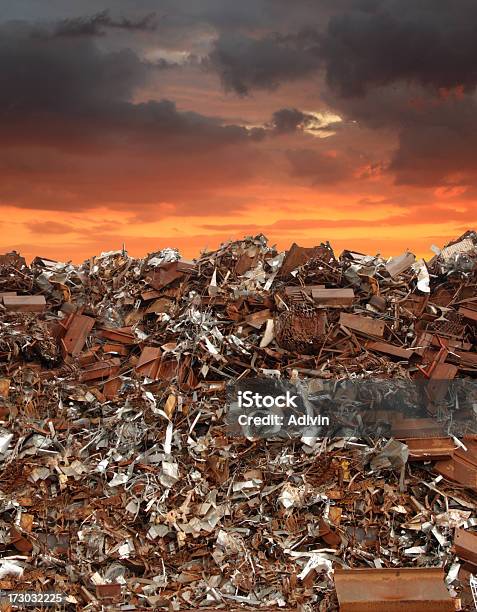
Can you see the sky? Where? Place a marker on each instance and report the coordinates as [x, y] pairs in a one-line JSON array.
[[187, 123]]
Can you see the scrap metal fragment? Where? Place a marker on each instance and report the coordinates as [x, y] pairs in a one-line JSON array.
[[403, 589]]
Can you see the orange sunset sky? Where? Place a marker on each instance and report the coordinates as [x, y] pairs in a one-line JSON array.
[[186, 123]]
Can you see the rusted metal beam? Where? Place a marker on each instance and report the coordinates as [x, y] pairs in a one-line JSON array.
[[333, 297], [362, 325], [78, 329], [393, 590], [465, 545], [389, 349], [429, 449], [24, 303]]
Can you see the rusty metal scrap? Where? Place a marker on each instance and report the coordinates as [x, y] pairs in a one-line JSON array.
[[122, 487], [465, 546], [365, 326], [406, 589], [24, 303], [430, 449]]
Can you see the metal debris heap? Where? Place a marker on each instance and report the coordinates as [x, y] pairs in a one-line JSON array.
[[120, 486]]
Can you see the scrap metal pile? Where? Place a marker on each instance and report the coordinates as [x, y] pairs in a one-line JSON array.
[[121, 487]]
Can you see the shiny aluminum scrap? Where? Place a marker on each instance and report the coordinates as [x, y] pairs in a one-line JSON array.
[[473, 588]]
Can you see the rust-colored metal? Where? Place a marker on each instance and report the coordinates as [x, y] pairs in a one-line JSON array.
[[110, 592], [417, 428], [429, 449], [4, 387], [124, 335], [462, 468], [468, 313], [149, 362], [101, 369], [393, 590], [389, 349], [362, 325], [333, 297], [465, 545], [257, 319], [79, 326], [297, 256], [120, 349], [301, 293], [301, 329], [24, 303], [169, 272]]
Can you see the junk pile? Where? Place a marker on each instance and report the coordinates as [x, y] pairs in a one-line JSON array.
[[121, 486]]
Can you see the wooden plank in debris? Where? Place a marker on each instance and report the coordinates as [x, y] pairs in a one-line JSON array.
[[333, 297], [77, 332], [398, 265], [363, 325], [25, 303], [149, 362], [415, 589], [389, 349]]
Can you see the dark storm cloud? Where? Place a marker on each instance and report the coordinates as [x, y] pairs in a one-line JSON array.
[[66, 104], [371, 43], [436, 135], [62, 74], [288, 120], [429, 42], [410, 66], [72, 79], [439, 145], [96, 25], [186, 25], [245, 63]]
